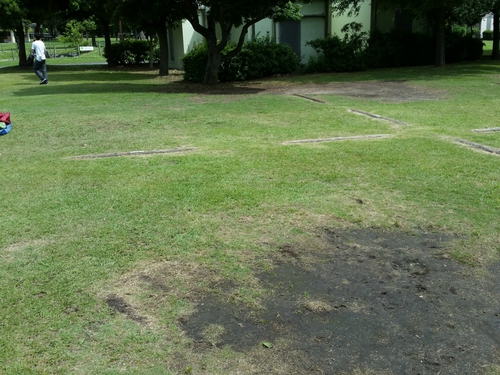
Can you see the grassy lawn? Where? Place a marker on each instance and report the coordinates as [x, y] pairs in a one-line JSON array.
[[73, 229]]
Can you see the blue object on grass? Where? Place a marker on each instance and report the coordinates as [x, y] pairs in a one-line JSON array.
[[6, 129]]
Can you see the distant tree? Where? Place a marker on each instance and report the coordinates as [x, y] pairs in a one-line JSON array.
[[72, 35], [89, 27], [102, 12]]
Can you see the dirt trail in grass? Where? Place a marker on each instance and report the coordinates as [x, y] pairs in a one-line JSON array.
[[384, 302], [390, 91]]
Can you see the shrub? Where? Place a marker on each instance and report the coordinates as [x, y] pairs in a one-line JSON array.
[[261, 57], [399, 48], [195, 62], [339, 55], [258, 58], [460, 47], [488, 35], [128, 52], [474, 49], [402, 48]]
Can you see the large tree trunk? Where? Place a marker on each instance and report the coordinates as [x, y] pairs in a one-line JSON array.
[[163, 41], [212, 69], [439, 31], [107, 43], [214, 60], [21, 44], [495, 53]]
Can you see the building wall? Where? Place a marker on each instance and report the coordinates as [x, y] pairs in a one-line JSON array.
[[313, 25], [181, 40], [487, 23], [364, 17]]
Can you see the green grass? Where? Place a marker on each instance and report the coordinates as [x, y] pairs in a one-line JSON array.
[[487, 48], [72, 227]]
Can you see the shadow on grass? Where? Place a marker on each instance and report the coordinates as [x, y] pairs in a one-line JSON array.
[[102, 79], [100, 88], [99, 80]]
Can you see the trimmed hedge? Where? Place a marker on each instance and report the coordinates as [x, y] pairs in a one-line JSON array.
[[259, 58], [399, 48], [129, 52], [386, 50], [195, 63], [340, 55], [488, 35], [335, 55]]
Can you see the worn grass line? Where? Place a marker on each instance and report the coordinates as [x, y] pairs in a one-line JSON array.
[[378, 117], [134, 153], [309, 98], [486, 130], [478, 146], [333, 139]]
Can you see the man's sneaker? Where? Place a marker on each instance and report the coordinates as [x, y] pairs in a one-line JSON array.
[[44, 81]]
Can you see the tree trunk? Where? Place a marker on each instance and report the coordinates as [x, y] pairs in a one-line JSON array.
[[495, 53], [440, 39], [163, 42], [107, 44], [151, 58], [21, 44], [212, 69]]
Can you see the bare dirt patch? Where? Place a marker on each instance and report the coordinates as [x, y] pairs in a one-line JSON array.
[[384, 302], [363, 302], [388, 91]]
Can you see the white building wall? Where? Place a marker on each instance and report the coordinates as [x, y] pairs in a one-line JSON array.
[[487, 23]]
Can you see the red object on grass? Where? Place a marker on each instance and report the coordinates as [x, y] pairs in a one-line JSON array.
[[5, 117]]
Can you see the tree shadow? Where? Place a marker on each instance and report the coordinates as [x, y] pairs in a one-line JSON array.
[[102, 79], [90, 86]]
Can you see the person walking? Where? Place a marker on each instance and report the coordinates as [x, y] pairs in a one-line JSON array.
[[39, 66]]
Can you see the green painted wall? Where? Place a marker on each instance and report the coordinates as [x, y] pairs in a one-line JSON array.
[[364, 17]]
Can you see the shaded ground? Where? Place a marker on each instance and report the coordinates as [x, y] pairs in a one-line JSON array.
[[391, 91], [387, 302]]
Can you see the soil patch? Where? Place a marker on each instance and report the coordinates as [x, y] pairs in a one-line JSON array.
[[383, 302]]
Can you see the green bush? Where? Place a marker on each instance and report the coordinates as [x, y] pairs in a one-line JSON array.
[[339, 55], [195, 62], [259, 58], [392, 49], [399, 48], [128, 52], [460, 47], [488, 35]]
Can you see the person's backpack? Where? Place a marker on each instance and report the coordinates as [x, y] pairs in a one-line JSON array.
[[5, 123]]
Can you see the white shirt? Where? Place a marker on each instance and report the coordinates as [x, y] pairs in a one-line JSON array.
[[39, 48]]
